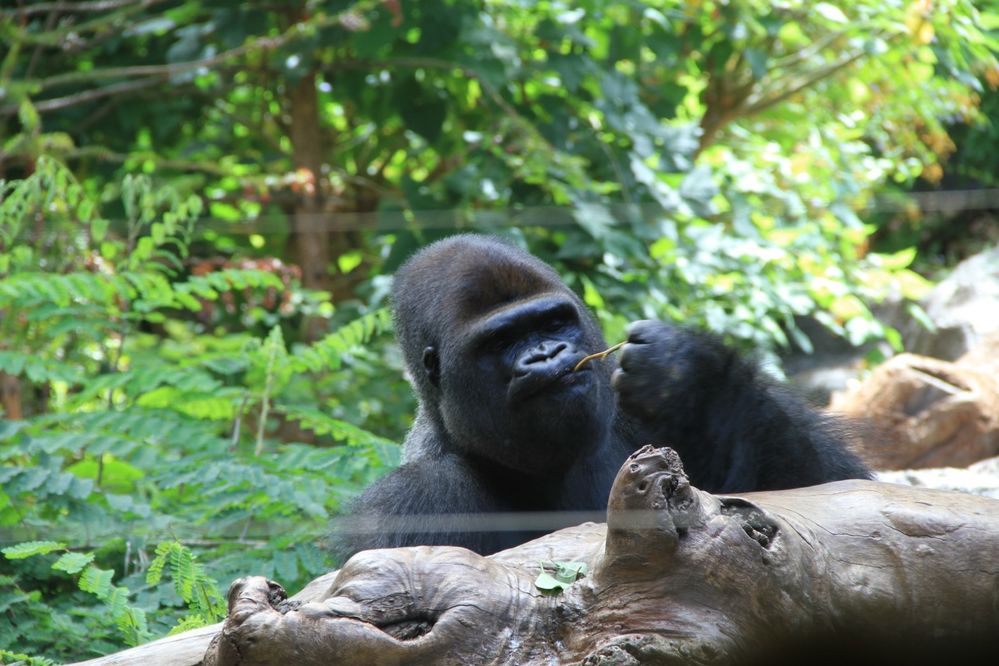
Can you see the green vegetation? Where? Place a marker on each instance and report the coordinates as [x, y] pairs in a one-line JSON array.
[[202, 201], [159, 420]]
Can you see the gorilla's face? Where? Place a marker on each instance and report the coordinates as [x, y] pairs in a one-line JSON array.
[[508, 390], [491, 335]]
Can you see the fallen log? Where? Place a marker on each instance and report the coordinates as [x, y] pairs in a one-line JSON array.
[[858, 571]]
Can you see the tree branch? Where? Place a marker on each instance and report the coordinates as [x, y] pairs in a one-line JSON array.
[[69, 7], [180, 165], [806, 52], [824, 73], [292, 34], [58, 37], [166, 70], [737, 104], [57, 103]]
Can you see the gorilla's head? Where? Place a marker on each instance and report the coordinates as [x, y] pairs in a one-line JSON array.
[[490, 335]]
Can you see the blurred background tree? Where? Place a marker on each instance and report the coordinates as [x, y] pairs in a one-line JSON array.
[[204, 199]]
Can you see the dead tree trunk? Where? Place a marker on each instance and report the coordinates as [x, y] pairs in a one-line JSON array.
[[677, 576]]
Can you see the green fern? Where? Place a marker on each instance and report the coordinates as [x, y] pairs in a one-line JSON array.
[[73, 563], [140, 380], [20, 199], [133, 431], [198, 590], [29, 290], [19, 659], [32, 548], [321, 423], [209, 286], [97, 581], [39, 370], [325, 354], [130, 620], [139, 424]]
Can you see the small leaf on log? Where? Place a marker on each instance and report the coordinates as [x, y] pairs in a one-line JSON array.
[[566, 573]]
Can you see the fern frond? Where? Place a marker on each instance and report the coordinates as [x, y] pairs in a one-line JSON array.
[[29, 290], [155, 571], [323, 424], [39, 370], [141, 425], [73, 563], [182, 571], [21, 659], [148, 377], [188, 622], [97, 581], [325, 354], [209, 285], [32, 548]]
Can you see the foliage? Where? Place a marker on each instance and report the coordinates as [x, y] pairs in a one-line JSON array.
[[155, 423], [21, 659], [713, 158], [163, 374]]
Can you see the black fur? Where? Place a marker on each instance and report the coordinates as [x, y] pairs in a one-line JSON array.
[[490, 335]]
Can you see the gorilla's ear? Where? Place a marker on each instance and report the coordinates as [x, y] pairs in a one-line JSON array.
[[432, 365]]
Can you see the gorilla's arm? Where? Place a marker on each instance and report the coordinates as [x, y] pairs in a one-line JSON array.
[[426, 501], [735, 426]]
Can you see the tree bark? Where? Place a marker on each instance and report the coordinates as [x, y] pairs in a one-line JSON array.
[[319, 232], [310, 232], [859, 570], [10, 397]]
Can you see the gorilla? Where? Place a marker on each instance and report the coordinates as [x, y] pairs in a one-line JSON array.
[[491, 336]]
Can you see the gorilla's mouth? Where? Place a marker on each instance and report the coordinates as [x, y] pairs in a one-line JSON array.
[[549, 379]]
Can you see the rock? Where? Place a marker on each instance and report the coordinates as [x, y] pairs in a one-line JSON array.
[[964, 307]]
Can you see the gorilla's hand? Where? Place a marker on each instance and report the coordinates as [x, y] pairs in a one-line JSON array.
[[664, 367]]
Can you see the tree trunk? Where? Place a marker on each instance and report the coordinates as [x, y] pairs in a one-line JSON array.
[[856, 570], [319, 236], [310, 230], [10, 397]]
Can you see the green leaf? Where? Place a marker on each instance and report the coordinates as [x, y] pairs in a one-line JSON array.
[[10, 428], [545, 581], [97, 581], [898, 260], [917, 312], [757, 59], [28, 116], [831, 12], [595, 218], [566, 573], [569, 572], [31, 548], [73, 563]]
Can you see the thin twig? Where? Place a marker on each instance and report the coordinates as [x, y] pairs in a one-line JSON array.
[[824, 73], [266, 404], [86, 96], [599, 355]]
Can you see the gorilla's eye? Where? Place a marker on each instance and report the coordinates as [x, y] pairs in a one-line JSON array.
[[555, 325], [495, 343]]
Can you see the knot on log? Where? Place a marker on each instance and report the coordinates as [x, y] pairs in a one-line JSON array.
[[651, 506]]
